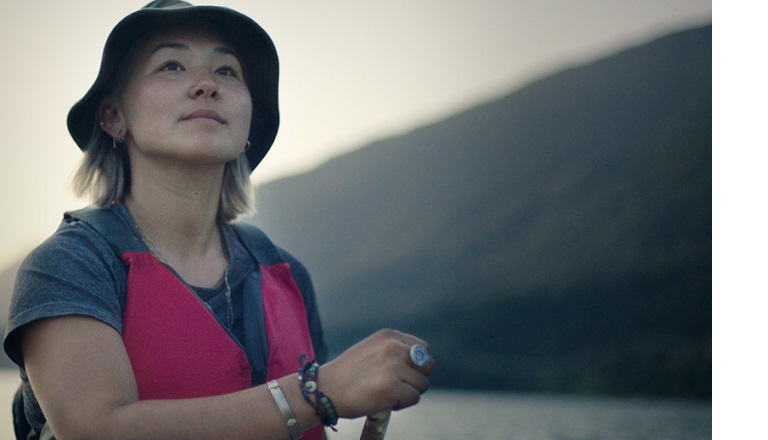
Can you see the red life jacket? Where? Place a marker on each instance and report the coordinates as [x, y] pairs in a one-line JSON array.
[[177, 348]]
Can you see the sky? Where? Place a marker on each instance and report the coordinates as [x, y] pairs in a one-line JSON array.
[[351, 72]]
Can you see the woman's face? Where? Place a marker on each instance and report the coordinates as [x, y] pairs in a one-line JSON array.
[[186, 99]]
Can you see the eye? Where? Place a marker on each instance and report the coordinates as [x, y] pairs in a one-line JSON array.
[[227, 70], [172, 66]]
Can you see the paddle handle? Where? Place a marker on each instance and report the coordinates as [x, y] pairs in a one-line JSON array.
[[376, 426]]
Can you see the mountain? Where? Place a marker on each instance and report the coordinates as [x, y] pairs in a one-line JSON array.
[[557, 239]]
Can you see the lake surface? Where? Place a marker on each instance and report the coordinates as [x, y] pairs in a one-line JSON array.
[[484, 416]]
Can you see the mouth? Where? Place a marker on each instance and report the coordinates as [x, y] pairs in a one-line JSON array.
[[203, 115]]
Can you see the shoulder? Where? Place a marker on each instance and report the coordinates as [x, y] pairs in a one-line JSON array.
[[297, 267], [265, 251], [258, 244], [73, 244], [75, 263], [263, 248], [73, 272]]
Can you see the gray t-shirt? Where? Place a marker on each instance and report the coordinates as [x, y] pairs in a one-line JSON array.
[[76, 272]]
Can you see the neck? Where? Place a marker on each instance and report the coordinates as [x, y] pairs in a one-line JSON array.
[[176, 213]]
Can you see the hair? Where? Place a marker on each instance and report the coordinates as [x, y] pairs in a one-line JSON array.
[[104, 173]]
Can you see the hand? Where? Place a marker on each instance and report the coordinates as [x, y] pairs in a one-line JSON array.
[[375, 374]]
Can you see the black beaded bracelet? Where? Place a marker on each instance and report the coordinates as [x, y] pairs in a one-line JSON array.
[[317, 399]]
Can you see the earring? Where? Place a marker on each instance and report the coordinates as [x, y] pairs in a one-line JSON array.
[[247, 146], [116, 139]]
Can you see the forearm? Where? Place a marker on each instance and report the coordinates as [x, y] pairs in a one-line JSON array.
[[247, 414], [84, 383]]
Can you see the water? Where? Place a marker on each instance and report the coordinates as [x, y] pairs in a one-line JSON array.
[[483, 416]]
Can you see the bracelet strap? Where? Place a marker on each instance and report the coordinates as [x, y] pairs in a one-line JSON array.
[[315, 398], [285, 410]]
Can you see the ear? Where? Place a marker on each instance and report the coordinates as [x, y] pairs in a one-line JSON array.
[[111, 120]]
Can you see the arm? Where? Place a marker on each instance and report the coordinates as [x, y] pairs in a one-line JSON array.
[[84, 382]]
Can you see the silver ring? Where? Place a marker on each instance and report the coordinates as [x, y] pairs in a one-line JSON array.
[[419, 355]]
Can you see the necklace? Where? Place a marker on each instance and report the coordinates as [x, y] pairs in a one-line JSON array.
[[153, 249], [228, 295]]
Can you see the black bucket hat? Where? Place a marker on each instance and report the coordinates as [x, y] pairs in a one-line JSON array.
[[256, 50]]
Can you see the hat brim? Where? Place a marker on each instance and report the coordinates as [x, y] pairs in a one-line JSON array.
[[255, 47]]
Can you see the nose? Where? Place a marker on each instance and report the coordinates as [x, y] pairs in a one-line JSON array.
[[205, 87]]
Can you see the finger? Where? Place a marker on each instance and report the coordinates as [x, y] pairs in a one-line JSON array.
[[411, 340], [419, 355], [429, 368], [407, 396], [415, 379], [420, 359], [410, 348]]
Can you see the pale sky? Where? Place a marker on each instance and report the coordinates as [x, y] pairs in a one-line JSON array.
[[351, 72]]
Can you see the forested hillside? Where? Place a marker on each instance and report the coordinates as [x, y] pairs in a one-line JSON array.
[[557, 239]]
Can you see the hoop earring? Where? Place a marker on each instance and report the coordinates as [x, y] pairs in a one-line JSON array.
[[247, 146]]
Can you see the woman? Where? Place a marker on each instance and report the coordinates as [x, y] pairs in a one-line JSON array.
[[155, 316]]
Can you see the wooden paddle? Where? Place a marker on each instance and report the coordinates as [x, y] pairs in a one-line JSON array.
[[376, 426]]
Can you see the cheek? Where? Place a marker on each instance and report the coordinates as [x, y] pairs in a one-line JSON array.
[[246, 111], [244, 100], [144, 110]]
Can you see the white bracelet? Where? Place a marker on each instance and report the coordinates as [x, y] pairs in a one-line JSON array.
[[285, 410]]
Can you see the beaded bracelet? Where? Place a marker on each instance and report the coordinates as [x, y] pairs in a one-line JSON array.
[[320, 402]]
